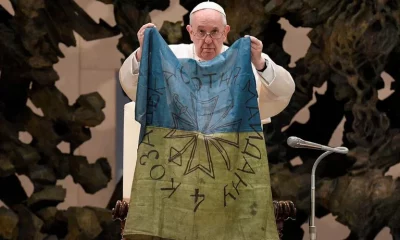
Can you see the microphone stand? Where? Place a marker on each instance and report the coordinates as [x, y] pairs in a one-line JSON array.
[[312, 227]]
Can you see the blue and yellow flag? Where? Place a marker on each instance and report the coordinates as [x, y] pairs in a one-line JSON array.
[[202, 171]]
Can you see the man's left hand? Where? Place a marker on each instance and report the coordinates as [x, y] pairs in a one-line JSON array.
[[256, 50]]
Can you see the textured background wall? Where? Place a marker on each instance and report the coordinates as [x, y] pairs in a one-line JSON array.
[[91, 66]]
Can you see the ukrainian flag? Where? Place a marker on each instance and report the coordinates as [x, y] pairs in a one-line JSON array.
[[202, 171]]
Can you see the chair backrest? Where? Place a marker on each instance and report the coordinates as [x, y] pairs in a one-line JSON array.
[[130, 143]]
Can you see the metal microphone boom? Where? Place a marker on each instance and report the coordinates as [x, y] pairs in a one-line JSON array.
[[296, 142]]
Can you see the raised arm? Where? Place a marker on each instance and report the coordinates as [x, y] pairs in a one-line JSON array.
[[275, 86], [275, 90], [128, 75], [129, 72]]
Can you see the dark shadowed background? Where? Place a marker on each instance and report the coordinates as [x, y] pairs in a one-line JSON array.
[[61, 107]]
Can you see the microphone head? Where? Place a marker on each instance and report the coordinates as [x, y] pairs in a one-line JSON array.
[[342, 150], [293, 142]]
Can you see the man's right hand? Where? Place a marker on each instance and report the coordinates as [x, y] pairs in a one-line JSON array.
[[140, 35]]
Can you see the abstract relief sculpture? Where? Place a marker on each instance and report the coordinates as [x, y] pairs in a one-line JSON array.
[[352, 43], [28, 50]]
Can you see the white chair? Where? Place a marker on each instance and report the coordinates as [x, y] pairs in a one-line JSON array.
[[130, 143]]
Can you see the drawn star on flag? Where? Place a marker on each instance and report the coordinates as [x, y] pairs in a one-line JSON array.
[[202, 120]]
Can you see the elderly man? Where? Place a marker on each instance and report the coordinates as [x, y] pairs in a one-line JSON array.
[[208, 30], [202, 171]]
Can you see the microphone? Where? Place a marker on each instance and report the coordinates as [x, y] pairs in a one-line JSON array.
[[296, 142]]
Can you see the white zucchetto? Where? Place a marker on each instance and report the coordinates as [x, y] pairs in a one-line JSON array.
[[208, 5]]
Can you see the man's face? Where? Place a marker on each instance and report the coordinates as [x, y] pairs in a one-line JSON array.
[[207, 22]]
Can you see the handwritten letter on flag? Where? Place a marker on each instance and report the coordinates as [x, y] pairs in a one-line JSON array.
[[202, 171]]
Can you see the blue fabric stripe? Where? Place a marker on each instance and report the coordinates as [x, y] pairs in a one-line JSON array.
[[207, 97]]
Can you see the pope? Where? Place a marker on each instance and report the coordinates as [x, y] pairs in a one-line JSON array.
[[208, 30], [203, 171]]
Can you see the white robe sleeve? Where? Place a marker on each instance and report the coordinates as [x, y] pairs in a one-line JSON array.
[[275, 91], [128, 76], [275, 85]]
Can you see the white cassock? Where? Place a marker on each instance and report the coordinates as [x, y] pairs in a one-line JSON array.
[[275, 87]]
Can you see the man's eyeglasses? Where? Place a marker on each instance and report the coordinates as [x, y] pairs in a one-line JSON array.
[[215, 34]]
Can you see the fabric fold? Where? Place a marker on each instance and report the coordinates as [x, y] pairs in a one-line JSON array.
[[202, 171]]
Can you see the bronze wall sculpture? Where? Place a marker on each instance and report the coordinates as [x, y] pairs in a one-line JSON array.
[[353, 42], [28, 50]]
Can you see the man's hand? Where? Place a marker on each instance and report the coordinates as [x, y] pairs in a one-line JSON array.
[[256, 50], [140, 35]]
